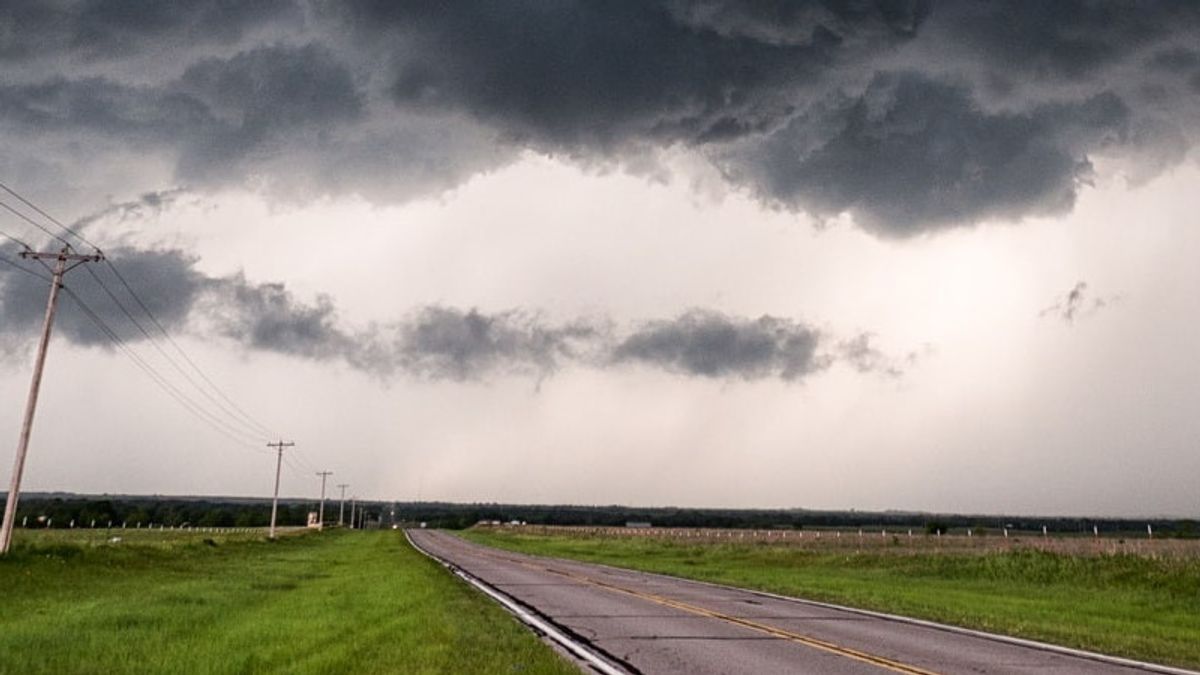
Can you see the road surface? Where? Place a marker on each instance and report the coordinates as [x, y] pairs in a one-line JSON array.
[[651, 624]]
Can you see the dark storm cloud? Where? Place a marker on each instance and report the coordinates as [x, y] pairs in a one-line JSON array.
[[112, 28], [597, 75], [911, 116], [260, 99], [911, 154], [219, 115], [1062, 40], [1176, 60], [710, 344]]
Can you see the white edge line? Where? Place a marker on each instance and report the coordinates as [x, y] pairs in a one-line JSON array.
[[521, 613], [995, 637]]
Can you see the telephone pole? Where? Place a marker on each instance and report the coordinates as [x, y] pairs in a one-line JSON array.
[[279, 446], [321, 516], [342, 505], [61, 267], [353, 504]]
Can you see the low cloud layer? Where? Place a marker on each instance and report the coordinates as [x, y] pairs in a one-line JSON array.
[[911, 116], [433, 342], [710, 344]]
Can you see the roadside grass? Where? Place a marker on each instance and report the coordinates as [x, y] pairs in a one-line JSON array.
[[332, 602], [1124, 605], [141, 537]]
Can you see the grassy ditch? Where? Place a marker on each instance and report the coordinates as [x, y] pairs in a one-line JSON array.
[[334, 602], [1133, 606]]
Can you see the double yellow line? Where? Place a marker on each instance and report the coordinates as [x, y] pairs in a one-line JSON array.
[[823, 645]]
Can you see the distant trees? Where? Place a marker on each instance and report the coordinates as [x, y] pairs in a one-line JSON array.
[[210, 512], [169, 512]]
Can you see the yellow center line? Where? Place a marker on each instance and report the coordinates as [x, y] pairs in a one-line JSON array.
[[815, 643]]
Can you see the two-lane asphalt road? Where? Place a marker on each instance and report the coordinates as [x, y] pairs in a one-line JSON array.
[[653, 624]]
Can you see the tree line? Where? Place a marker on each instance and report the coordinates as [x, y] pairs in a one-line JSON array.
[[60, 510]]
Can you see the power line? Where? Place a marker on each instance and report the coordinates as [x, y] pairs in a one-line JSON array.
[[308, 466], [155, 376], [257, 435], [19, 241], [229, 408], [259, 427], [296, 471], [26, 270], [31, 221], [49, 217], [162, 382]]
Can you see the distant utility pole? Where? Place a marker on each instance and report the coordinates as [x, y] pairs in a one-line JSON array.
[[321, 512], [342, 505], [61, 267], [279, 446], [353, 503]]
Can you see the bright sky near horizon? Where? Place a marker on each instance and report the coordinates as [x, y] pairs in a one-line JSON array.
[[664, 253]]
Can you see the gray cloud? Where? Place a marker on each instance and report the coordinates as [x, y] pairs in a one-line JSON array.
[[221, 117], [144, 206], [1078, 303], [1062, 40], [442, 342], [710, 344], [598, 75], [268, 317], [106, 29], [433, 342], [910, 154], [862, 355], [912, 116], [175, 286], [1176, 60]]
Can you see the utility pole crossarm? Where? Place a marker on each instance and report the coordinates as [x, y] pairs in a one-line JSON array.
[[65, 255]]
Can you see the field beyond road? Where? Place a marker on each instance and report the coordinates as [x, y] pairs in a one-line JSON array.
[[332, 602], [1128, 605]]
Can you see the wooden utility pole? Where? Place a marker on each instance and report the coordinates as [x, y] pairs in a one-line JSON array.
[[342, 505], [353, 504], [279, 446], [61, 267], [321, 511]]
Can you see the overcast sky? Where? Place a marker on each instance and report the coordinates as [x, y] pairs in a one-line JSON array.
[[928, 255]]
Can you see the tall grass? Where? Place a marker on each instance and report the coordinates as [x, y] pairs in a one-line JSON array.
[[334, 602]]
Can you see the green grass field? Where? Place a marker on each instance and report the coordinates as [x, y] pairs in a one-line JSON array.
[[1127, 605], [333, 602]]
